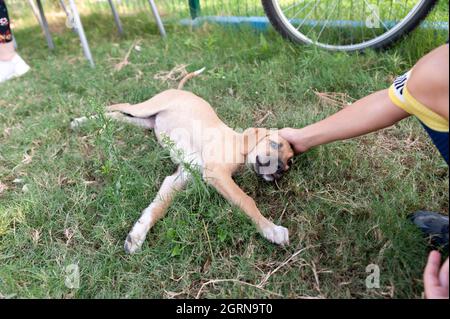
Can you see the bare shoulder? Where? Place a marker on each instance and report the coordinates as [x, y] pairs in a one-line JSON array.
[[432, 68], [429, 82]]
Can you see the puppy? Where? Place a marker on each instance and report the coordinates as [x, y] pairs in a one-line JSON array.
[[199, 140]]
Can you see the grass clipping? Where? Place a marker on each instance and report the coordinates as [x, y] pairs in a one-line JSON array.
[[174, 75], [335, 99]]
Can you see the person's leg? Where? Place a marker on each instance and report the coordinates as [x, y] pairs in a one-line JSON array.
[[11, 64], [7, 51]]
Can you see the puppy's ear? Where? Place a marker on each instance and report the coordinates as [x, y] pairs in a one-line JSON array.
[[251, 137]]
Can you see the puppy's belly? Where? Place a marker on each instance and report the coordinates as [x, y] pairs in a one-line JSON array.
[[181, 144], [192, 160]]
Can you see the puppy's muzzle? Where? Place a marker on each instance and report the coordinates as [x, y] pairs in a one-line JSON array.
[[267, 172]]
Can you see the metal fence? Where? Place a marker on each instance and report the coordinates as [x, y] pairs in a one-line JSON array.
[[172, 11], [170, 8], [185, 8]]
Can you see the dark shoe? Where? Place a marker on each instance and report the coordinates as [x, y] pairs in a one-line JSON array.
[[434, 226]]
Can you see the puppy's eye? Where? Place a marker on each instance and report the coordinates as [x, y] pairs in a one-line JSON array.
[[275, 145], [290, 162]]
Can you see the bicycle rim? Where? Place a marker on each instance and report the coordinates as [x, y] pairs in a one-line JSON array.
[[346, 25]]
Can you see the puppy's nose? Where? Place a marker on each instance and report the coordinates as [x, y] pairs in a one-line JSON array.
[[259, 163]]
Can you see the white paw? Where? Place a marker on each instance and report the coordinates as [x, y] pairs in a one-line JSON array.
[[133, 243], [276, 234], [76, 123], [137, 235]]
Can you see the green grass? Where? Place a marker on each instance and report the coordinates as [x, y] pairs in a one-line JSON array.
[[345, 204]]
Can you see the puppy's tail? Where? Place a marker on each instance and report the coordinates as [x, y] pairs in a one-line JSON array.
[[188, 77]]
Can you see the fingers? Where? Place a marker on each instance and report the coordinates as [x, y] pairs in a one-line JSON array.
[[294, 138], [443, 275], [431, 274]]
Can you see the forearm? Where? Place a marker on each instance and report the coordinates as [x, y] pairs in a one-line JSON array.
[[369, 114]]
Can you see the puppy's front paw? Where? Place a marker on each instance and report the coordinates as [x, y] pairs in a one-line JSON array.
[[76, 123], [276, 234], [133, 243]]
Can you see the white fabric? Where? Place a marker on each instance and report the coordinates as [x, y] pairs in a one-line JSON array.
[[14, 68]]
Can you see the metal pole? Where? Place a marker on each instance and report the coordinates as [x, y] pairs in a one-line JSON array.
[[35, 11], [116, 16], [194, 8], [40, 16], [79, 26], [157, 18], [63, 6]]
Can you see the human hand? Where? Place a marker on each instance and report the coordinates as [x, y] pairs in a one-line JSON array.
[[435, 277], [294, 137]]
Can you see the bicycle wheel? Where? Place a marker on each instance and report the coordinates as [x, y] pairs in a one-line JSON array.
[[346, 25]]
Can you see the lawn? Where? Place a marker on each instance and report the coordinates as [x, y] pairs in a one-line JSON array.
[[70, 198]]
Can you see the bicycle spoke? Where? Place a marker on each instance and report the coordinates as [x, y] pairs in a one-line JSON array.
[[293, 6], [304, 19], [301, 10], [326, 22]]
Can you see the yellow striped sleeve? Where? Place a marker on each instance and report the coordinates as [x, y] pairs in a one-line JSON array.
[[397, 100], [428, 117]]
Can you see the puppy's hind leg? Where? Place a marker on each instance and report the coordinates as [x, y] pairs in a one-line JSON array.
[[147, 123], [157, 209]]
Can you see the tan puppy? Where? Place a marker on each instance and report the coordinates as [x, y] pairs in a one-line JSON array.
[[199, 139]]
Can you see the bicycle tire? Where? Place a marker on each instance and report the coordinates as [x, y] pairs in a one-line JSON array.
[[280, 24]]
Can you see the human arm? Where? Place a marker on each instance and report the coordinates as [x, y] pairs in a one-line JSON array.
[[371, 113]]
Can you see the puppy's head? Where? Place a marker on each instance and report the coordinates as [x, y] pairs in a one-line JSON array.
[[268, 154]]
